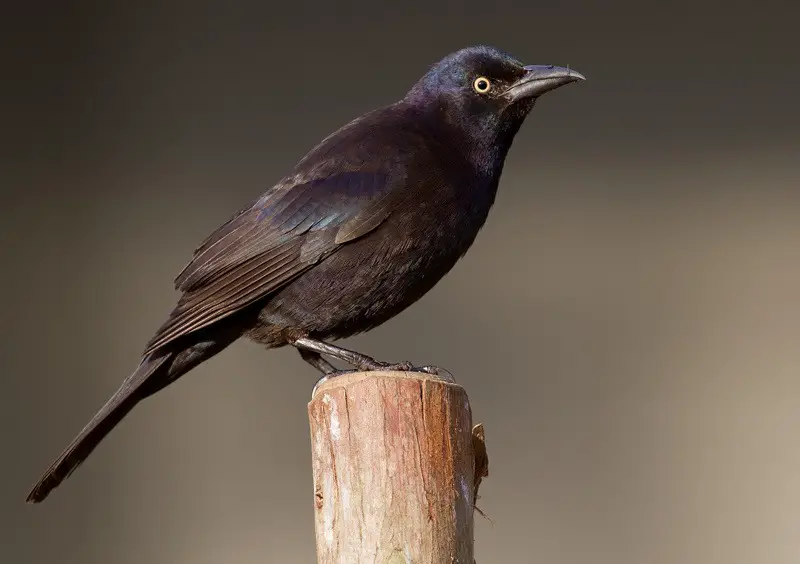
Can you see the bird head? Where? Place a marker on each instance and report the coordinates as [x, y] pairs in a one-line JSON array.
[[485, 92]]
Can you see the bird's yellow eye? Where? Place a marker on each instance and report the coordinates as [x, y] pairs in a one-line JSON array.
[[482, 85]]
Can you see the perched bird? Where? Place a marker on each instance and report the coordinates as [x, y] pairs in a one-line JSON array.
[[366, 223]]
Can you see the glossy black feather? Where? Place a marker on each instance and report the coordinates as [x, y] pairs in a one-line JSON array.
[[366, 223], [284, 233]]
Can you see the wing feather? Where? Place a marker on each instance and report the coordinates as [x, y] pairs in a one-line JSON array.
[[231, 291], [264, 247]]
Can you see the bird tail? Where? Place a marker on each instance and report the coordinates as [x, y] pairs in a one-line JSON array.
[[120, 404]]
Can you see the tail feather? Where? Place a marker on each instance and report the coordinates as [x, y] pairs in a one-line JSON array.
[[156, 371], [120, 404]]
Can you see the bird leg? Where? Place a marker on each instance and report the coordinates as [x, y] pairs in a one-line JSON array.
[[328, 370], [315, 359], [353, 358]]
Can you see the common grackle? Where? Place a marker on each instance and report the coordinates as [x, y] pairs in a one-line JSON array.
[[366, 223]]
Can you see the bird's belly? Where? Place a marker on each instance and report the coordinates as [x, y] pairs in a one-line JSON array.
[[368, 281]]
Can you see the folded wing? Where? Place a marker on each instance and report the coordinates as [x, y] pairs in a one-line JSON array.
[[287, 231]]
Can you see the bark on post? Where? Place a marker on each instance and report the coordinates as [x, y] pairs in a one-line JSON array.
[[394, 461]]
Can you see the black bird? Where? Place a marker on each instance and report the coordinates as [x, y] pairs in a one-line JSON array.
[[366, 223]]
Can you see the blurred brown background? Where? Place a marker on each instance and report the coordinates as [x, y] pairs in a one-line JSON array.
[[627, 325]]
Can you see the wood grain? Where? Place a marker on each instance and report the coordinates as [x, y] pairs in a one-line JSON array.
[[394, 467]]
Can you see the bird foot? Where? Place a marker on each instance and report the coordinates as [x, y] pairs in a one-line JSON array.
[[445, 375], [409, 367], [399, 367], [404, 366], [312, 350], [327, 377]]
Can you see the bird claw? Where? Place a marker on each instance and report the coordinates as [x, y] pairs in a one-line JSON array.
[[398, 366], [445, 375], [408, 367], [404, 366], [327, 377]]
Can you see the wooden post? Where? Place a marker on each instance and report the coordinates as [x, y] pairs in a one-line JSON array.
[[396, 469]]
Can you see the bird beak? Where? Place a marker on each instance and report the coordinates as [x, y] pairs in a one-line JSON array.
[[539, 79]]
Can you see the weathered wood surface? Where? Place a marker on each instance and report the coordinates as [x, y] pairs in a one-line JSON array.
[[396, 469]]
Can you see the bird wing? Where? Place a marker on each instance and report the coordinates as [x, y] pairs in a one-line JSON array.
[[287, 231]]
